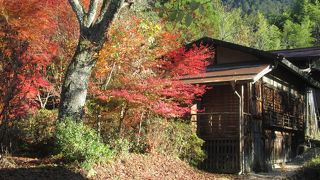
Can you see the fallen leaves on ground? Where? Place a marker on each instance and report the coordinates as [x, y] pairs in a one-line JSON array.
[[138, 166]]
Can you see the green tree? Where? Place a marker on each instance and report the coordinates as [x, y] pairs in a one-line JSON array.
[[211, 18], [264, 35], [308, 9], [313, 11], [297, 35], [193, 18]]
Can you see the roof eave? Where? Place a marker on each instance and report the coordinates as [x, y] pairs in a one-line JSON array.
[[288, 65]]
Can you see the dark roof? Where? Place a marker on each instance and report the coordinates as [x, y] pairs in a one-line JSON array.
[[215, 42], [267, 57], [230, 73], [299, 53], [291, 67]]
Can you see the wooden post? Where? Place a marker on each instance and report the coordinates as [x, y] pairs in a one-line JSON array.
[[241, 129]]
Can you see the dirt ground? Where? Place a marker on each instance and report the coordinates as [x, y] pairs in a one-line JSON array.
[[292, 170]]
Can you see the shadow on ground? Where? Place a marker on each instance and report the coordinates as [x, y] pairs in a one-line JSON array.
[[37, 173]]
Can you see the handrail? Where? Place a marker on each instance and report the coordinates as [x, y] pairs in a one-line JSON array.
[[217, 113]]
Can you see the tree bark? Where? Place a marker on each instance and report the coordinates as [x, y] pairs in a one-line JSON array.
[[123, 113], [74, 89], [92, 36]]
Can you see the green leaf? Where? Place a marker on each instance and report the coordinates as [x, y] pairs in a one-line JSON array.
[[188, 20], [194, 5], [161, 14], [180, 16], [201, 9], [173, 15]]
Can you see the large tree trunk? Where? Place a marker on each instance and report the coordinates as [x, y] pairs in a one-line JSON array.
[[93, 25], [74, 89]]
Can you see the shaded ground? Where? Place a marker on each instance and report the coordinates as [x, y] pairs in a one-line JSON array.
[[19, 168], [48, 173]]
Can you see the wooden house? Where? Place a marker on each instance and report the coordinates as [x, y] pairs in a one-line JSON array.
[[255, 113], [308, 60]]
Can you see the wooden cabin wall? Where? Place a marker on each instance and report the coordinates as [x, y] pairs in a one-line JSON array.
[[312, 128], [218, 125], [220, 116], [258, 159], [278, 146], [272, 126], [283, 105], [277, 122]]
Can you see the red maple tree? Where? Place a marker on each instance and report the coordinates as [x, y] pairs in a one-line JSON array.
[[140, 69], [27, 30]]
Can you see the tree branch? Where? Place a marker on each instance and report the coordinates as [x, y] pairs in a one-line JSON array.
[[105, 85], [92, 12], [109, 10], [104, 8], [78, 9]]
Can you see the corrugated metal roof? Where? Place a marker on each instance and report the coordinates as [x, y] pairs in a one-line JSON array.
[[301, 52], [227, 74]]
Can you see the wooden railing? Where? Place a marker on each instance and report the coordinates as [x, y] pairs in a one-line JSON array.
[[281, 120], [217, 124]]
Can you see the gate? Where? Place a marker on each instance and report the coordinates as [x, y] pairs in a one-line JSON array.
[[219, 130], [222, 156]]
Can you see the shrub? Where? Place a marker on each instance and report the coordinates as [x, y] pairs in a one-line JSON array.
[[120, 146], [36, 132], [79, 143], [315, 162], [311, 169], [128, 142], [176, 138]]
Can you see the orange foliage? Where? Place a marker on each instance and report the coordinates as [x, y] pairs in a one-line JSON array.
[[34, 34], [140, 66]]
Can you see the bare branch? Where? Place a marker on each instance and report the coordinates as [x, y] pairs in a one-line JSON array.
[[47, 98], [105, 85], [78, 9], [93, 9], [40, 100]]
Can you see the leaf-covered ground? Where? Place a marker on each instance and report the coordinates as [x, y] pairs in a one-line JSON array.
[[22, 168], [137, 166], [154, 167], [133, 167]]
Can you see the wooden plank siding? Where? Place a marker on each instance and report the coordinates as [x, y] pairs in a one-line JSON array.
[[218, 125], [278, 123], [265, 139], [283, 107], [220, 117]]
